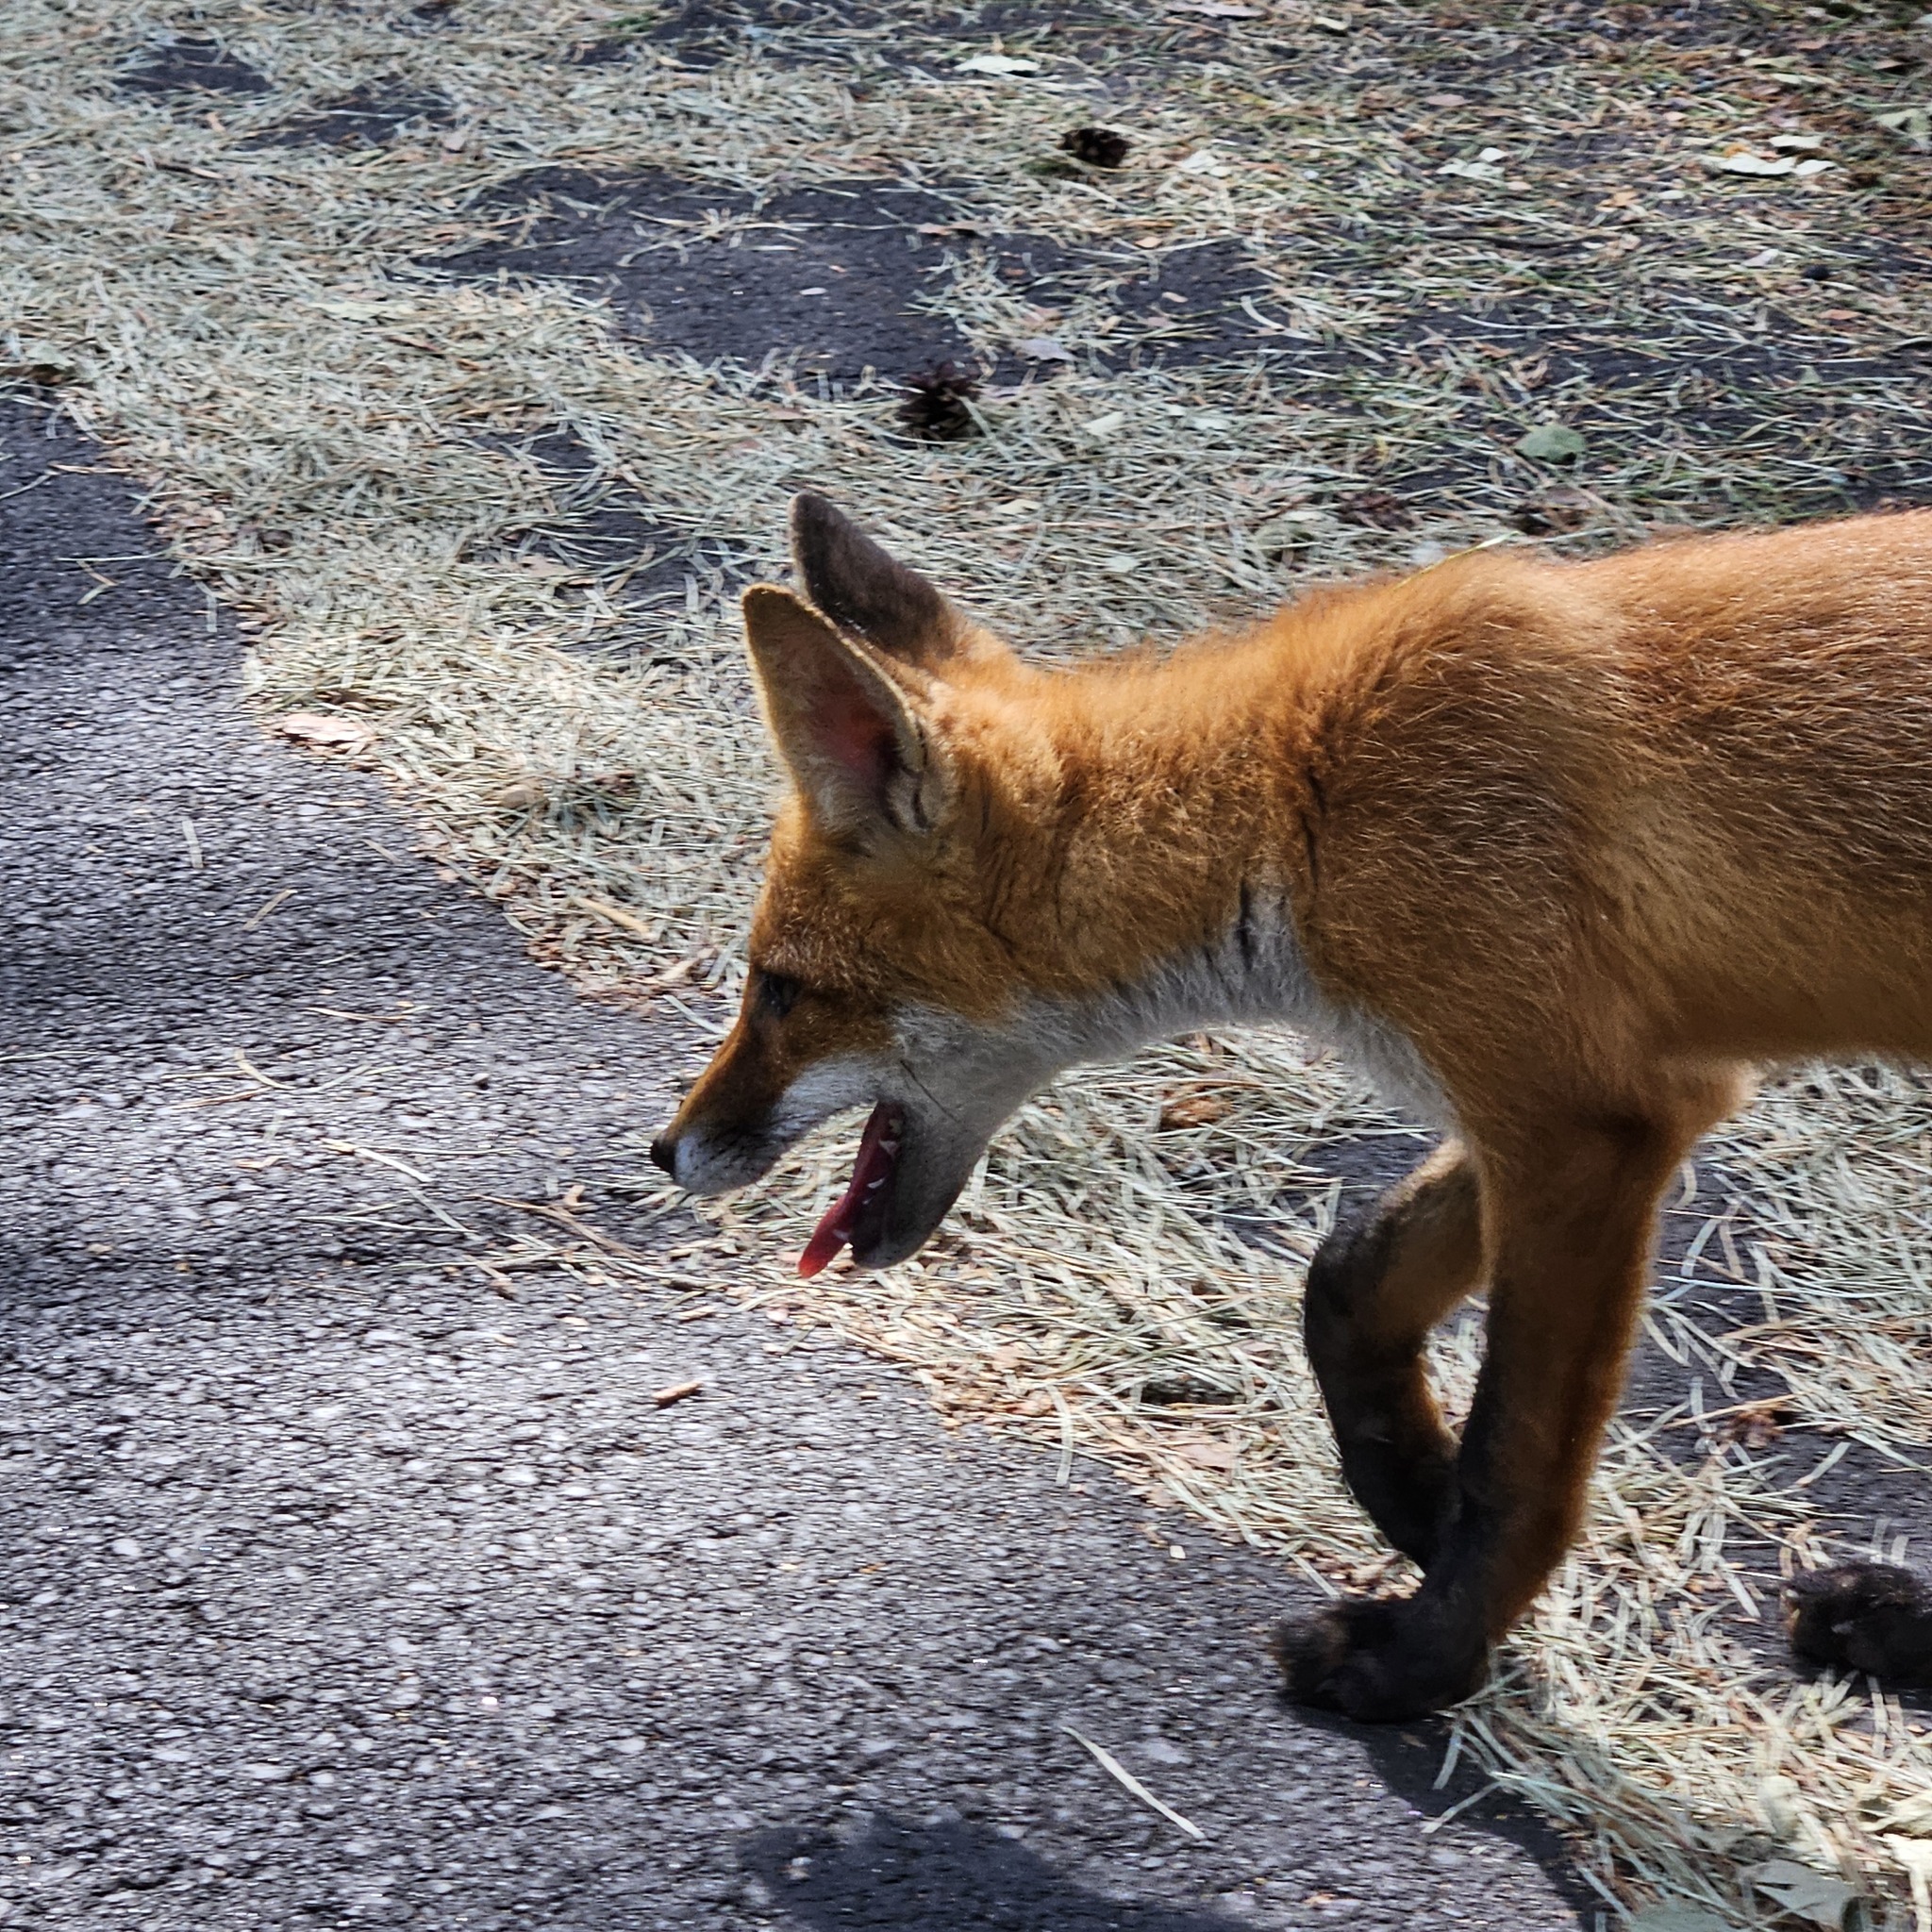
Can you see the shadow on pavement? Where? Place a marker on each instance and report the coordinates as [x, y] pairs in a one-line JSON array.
[[1409, 1759], [946, 1877]]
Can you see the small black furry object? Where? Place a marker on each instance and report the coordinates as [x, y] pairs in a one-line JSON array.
[[1870, 1617], [1099, 147], [935, 409]]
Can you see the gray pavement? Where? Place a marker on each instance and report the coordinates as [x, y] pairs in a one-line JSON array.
[[337, 1588]]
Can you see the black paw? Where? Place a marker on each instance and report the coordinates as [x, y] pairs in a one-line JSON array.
[[1870, 1617], [1376, 1658]]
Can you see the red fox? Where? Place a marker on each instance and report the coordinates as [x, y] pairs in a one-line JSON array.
[[1559, 852]]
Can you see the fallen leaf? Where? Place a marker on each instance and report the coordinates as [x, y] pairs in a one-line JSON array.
[[1471, 171], [1914, 124], [1204, 160], [1222, 1456], [1199, 1108], [312, 728], [1291, 527], [1915, 1856], [631, 921], [1740, 161], [1372, 1574], [1552, 442], [677, 1392], [1555, 512], [1043, 349], [519, 795], [1755, 1423], [1101, 428], [674, 974], [1815, 1896], [1214, 9], [998, 63], [42, 364], [1797, 144]]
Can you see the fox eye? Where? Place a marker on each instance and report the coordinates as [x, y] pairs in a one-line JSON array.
[[772, 995]]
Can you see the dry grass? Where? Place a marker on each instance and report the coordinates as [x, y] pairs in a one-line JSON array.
[[338, 434]]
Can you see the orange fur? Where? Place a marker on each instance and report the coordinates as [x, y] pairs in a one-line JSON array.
[[1593, 839]]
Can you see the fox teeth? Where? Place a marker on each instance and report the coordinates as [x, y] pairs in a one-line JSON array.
[[889, 1146], [873, 1187]]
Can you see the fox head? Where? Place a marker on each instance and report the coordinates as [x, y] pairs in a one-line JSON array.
[[986, 873], [889, 953]]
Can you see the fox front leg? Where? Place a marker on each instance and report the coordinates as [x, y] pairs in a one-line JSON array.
[[1374, 1290], [1570, 1248]]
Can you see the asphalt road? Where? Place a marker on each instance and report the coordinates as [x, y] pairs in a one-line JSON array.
[[339, 1588]]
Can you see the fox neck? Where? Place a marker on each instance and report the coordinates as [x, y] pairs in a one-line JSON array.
[[1172, 845], [1176, 886]]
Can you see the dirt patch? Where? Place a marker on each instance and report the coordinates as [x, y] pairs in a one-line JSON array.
[[191, 65], [1192, 302], [856, 277], [834, 275], [597, 529], [861, 277], [1851, 420], [702, 34], [365, 117]]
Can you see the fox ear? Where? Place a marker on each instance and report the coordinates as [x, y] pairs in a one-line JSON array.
[[861, 753], [872, 596]]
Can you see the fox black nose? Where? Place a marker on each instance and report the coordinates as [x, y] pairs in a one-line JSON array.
[[664, 1151]]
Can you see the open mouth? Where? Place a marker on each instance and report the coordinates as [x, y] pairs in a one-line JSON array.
[[857, 1217]]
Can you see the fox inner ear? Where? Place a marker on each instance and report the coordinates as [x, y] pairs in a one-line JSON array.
[[860, 754], [872, 595]]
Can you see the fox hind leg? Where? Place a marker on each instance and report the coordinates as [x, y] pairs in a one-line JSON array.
[[1374, 1290], [1569, 1210]]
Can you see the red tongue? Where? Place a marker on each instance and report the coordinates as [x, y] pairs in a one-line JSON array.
[[874, 1163]]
